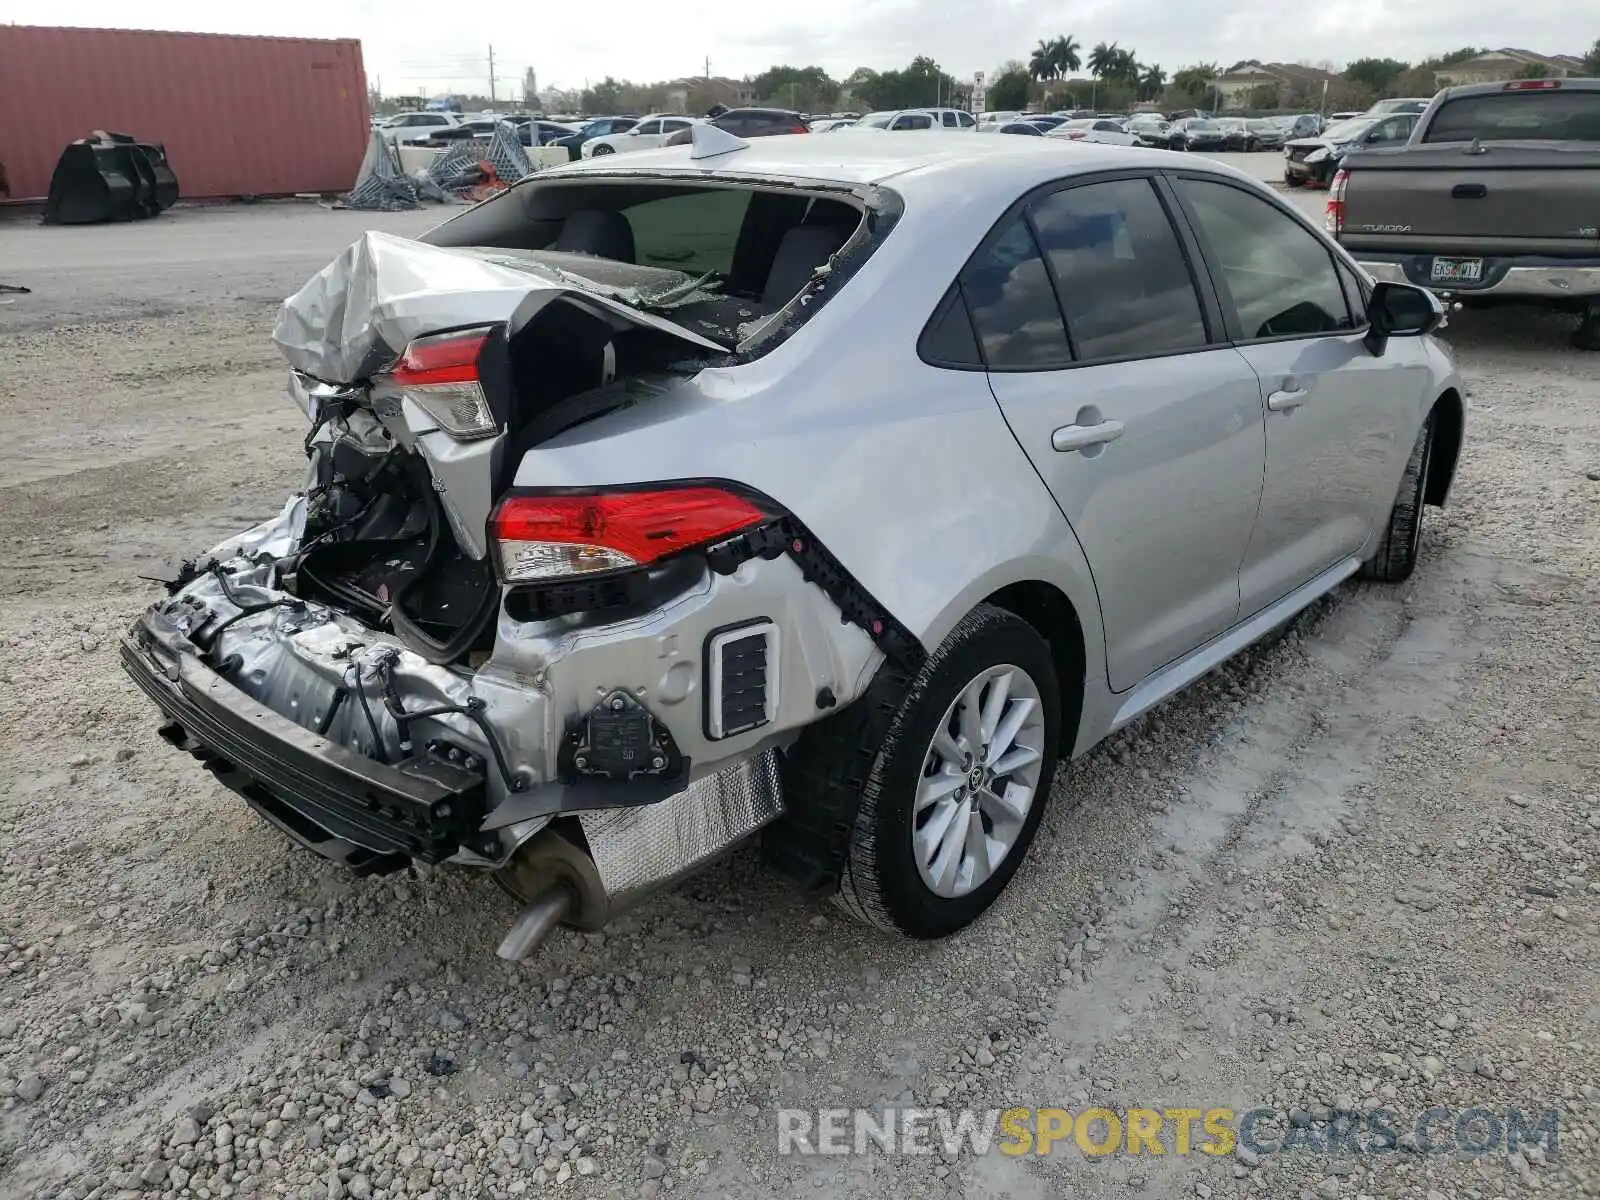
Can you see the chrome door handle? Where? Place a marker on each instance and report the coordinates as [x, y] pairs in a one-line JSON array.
[[1079, 437], [1286, 400]]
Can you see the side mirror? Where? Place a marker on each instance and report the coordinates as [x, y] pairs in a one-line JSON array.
[[1401, 310]]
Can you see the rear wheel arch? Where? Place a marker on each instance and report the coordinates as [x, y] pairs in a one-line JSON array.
[[1052, 615], [1449, 424]]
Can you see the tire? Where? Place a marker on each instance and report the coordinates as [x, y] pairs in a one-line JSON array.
[[600, 150], [885, 883], [1587, 334], [1396, 556], [1252, 146]]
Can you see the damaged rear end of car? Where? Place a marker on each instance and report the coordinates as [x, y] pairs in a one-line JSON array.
[[424, 657]]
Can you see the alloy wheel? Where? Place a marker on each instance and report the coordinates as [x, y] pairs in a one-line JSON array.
[[979, 781]]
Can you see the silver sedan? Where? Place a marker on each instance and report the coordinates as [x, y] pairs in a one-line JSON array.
[[831, 490]]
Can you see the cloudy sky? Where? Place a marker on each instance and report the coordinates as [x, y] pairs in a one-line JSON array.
[[431, 49]]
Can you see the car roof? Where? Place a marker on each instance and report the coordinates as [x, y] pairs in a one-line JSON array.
[[916, 164]]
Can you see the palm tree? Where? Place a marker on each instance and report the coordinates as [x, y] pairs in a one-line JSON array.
[[1065, 51], [1042, 62], [1103, 59], [1152, 81]]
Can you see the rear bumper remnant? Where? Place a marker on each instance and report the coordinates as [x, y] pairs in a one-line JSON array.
[[318, 792]]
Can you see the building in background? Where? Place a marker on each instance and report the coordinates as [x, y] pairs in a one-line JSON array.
[[1497, 65], [1252, 84], [239, 116], [695, 94]]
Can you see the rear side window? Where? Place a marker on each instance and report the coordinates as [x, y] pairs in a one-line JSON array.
[[695, 232], [1280, 276], [1124, 282], [1556, 115], [948, 118], [1013, 304]]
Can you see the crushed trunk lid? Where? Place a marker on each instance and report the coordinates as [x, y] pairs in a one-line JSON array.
[[356, 315]]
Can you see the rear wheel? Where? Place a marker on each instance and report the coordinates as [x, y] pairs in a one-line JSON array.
[[599, 150], [957, 790], [1587, 335], [1396, 556]]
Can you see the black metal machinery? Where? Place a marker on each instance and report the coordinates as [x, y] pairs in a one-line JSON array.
[[110, 177]]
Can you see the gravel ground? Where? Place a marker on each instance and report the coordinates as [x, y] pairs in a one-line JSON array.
[[1358, 867]]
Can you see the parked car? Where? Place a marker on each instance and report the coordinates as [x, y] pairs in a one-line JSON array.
[[919, 118], [1492, 201], [1025, 128], [1045, 121], [581, 591], [600, 127], [1316, 159], [1152, 130], [1335, 118], [828, 124], [1106, 132], [533, 131], [1304, 125], [649, 133], [1402, 104], [407, 127], [1236, 134], [749, 122], [1266, 133], [1198, 133]]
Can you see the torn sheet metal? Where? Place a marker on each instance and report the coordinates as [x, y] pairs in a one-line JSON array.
[[352, 319]]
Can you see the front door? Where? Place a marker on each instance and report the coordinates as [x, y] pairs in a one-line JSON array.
[[1147, 432], [1335, 437]]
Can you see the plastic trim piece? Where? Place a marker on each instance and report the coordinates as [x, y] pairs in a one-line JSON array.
[[716, 645]]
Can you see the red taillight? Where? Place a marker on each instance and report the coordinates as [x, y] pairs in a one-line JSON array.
[[439, 373], [1531, 85], [1075, 135], [1333, 216], [547, 537], [442, 358], [801, 129]]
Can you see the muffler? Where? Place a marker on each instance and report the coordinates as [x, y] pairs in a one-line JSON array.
[[536, 922]]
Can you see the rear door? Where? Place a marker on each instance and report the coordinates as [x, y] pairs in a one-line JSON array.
[[1105, 357], [1336, 414]]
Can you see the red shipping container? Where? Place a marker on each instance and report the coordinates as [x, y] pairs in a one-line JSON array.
[[239, 116]]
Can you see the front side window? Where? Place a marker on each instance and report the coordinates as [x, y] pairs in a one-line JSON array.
[[1278, 274], [1013, 305], [948, 118], [1125, 285], [966, 120], [675, 126], [914, 121]]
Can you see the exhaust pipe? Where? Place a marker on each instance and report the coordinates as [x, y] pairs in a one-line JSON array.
[[535, 923]]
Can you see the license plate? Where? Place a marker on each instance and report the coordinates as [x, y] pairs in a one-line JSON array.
[[1457, 270]]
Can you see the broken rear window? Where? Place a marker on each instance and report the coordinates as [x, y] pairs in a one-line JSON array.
[[718, 260]]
